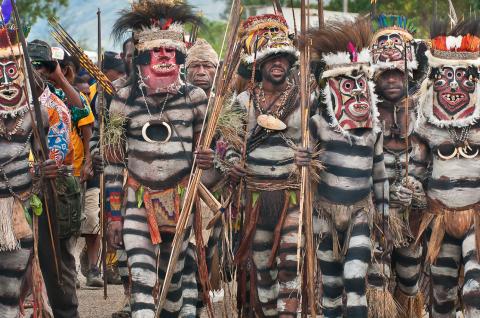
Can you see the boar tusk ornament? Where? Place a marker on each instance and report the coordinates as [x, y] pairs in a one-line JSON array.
[[156, 131], [459, 152], [464, 152]]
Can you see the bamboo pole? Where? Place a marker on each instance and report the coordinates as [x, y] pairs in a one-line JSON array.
[[101, 114], [306, 205]]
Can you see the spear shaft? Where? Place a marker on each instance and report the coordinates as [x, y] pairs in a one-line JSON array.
[[50, 194], [306, 205], [101, 114]]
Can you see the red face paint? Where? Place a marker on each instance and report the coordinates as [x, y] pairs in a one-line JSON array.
[[453, 94], [162, 72], [351, 101]]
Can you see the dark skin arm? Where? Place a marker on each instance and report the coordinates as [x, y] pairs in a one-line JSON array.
[[204, 157], [61, 81], [87, 171]]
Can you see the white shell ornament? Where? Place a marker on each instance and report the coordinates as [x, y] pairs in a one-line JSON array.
[[270, 122], [160, 126]]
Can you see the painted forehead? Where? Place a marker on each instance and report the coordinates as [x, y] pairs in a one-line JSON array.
[[388, 36]]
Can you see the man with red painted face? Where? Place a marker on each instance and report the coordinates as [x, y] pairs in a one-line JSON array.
[[391, 46], [269, 238], [158, 119], [446, 159], [349, 133]]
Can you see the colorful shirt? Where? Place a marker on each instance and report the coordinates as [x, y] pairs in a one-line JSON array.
[[59, 141], [77, 140]]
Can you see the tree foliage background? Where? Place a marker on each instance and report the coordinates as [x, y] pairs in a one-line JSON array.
[[420, 12], [31, 10]]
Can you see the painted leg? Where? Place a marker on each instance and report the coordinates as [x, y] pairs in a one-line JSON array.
[[13, 265], [407, 262], [381, 303], [355, 268], [332, 280], [288, 297], [445, 278], [141, 259], [267, 287], [190, 288], [183, 286], [471, 287]]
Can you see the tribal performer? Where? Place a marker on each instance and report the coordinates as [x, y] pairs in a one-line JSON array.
[[393, 55], [269, 240], [446, 159], [153, 126], [16, 138], [351, 142]]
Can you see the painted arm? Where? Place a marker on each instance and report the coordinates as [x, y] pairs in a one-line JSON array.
[[381, 188], [420, 159], [115, 161]]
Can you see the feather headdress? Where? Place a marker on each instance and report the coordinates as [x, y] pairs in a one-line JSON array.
[[9, 41], [156, 23], [342, 46], [392, 40], [263, 36], [459, 47]]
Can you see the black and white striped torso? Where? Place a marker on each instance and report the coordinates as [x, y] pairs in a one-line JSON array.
[[347, 177], [273, 159], [14, 159], [158, 165], [453, 182]]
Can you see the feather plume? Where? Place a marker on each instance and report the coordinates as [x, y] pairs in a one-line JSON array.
[[470, 26], [336, 36], [148, 13]]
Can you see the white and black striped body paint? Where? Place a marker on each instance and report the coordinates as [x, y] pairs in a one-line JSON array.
[[157, 166], [455, 184], [354, 165]]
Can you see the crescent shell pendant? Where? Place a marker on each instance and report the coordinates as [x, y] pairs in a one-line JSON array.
[[148, 139], [270, 122]]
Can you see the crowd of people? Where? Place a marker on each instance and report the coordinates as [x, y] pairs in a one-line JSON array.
[[393, 163]]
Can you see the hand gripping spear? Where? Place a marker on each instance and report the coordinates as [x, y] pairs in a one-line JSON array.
[[306, 205], [101, 114], [50, 194]]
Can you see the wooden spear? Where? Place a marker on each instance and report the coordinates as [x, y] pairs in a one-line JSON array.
[[221, 85], [38, 127], [306, 205], [101, 115]]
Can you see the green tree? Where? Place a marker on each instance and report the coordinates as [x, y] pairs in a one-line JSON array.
[[420, 12], [31, 10], [213, 32]]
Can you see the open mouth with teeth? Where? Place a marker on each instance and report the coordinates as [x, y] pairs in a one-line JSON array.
[[10, 96], [391, 55], [358, 111], [163, 67], [455, 100]]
